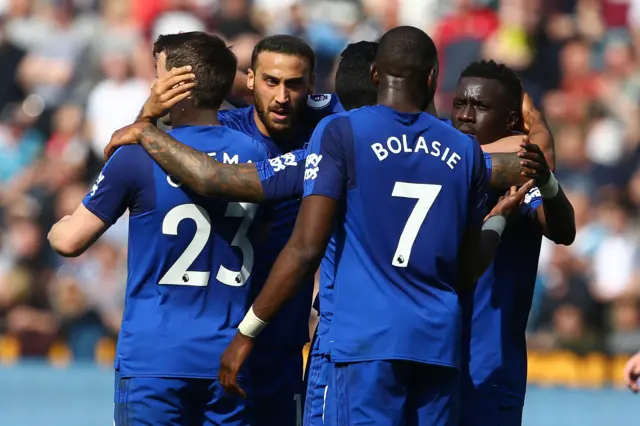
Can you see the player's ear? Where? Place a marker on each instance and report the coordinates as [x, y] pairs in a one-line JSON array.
[[513, 121], [251, 77], [432, 81], [374, 74]]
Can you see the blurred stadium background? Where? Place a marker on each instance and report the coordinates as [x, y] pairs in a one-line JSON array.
[[72, 72]]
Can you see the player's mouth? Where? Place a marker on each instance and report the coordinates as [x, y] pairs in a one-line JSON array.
[[467, 130], [280, 115]]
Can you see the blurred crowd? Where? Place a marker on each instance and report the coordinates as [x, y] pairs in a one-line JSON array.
[[72, 72]]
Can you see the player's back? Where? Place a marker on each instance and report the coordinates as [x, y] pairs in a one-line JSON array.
[[190, 265], [409, 182]]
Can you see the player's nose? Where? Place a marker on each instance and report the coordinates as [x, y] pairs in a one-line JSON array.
[[465, 115], [282, 95]]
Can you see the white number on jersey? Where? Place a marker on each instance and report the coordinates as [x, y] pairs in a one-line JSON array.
[[178, 274], [248, 213], [426, 194]]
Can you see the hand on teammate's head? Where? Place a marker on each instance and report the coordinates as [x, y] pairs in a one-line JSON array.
[[533, 162], [169, 88], [632, 373]]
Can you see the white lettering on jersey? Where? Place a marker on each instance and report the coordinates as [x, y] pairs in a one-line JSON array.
[[226, 159], [311, 166], [94, 188], [318, 101], [283, 161], [395, 145], [534, 193]]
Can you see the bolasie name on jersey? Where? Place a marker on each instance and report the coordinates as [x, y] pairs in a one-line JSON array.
[[396, 145]]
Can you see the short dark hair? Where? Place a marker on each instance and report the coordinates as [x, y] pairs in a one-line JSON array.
[[353, 80], [504, 75], [406, 52], [285, 44], [212, 62]]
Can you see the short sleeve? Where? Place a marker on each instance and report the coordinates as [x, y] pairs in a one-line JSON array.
[[283, 177], [488, 162], [532, 200], [478, 189], [114, 189], [326, 166]]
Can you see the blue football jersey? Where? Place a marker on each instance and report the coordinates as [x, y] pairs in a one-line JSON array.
[[290, 327], [282, 178], [411, 186], [496, 314], [190, 258]]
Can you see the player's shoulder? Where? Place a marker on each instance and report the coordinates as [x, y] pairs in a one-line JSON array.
[[127, 155], [236, 118]]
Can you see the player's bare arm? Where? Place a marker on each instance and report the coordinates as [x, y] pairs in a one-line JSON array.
[[538, 129], [479, 245], [195, 169], [506, 171], [556, 215], [298, 260], [74, 234]]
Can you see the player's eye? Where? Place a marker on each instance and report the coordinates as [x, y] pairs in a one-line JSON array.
[[482, 107], [271, 82], [457, 104]]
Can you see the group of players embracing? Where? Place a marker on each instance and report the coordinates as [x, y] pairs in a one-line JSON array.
[[427, 266]]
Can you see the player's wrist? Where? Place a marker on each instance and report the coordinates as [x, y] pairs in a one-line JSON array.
[[495, 222], [550, 189], [251, 325]]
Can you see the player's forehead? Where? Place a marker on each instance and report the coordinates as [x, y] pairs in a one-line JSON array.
[[282, 66], [479, 89]]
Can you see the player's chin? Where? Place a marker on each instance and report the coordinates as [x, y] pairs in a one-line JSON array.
[[280, 124]]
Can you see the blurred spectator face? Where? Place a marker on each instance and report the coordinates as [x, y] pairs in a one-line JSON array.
[[480, 108], [614, 217], [115, 66], [69, 199], [575, 59], [68, 119], [280, 85], [618, 57], [568, 322], [572, 149], [26, 238], [555, 105], [581, 207], [625, 315], [68, 298], [234, 9]]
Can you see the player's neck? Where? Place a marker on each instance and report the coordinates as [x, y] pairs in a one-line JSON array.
[[194, 117], [396, 93]]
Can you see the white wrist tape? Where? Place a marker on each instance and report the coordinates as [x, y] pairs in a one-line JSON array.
[[251, 325], [549, 189], [495, 223]]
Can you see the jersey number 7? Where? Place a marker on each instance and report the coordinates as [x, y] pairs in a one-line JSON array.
[[426, 195], [178, 273]]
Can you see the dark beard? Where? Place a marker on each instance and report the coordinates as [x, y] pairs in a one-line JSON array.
[[282, 137]]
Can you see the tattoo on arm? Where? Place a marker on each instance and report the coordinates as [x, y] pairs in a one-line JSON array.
[[200, 172], [505, 171]]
